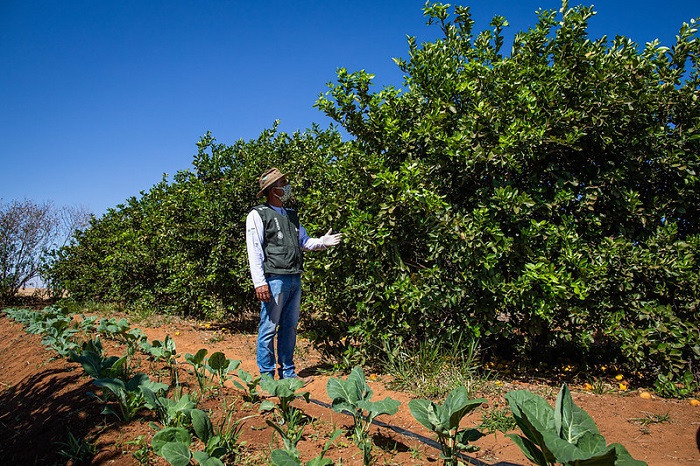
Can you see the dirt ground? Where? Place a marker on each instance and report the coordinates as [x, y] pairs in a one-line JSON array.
[[44, 397]]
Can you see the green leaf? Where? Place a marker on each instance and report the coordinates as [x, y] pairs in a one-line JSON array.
[[624, 458], [457, 405], [319, 462], [239, 385], [570, 421], [529, 449], [115, 386], [337, 390], [469, 435], [201, 424], [170, 434], [386, 406], [136, 381], [566, 452], [184, 403], [150, 398], [155, 387], [283, 458], [346, 393], [266, 405], [198, 358], [176, 453], [218, 361], [591, 443], [205, 460], [425, 412], [534, 417]]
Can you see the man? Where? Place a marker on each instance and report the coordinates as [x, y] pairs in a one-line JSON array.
[[275, 241]]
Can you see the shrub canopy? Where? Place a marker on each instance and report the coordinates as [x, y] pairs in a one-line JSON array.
[[542, 199]]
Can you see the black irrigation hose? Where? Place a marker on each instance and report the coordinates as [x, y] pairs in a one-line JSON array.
[[413, 435]]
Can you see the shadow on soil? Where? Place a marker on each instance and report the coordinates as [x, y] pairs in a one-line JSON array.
[[37, 415], [246, 322]]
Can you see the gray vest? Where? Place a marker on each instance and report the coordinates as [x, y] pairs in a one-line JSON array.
[[283, 254]]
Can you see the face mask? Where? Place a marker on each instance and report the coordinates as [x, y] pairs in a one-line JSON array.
[[286, 192]]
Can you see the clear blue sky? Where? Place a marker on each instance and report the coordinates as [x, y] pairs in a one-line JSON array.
[[99, 98]]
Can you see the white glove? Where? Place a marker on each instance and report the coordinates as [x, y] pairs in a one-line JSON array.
[[331, 240]]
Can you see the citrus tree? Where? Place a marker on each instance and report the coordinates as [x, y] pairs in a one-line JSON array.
[[539, 196]]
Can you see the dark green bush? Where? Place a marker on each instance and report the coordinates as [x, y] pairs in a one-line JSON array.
[[545, 199], [180, 247]]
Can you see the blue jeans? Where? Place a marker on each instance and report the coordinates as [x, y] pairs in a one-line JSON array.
[[279, 316]]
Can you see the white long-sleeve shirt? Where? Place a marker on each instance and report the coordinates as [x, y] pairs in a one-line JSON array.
[[255, 237]]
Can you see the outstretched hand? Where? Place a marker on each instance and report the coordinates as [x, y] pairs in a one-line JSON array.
[[330, 239]]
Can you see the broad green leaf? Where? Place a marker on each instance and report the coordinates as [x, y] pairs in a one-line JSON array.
[[184, 403], [201, 424], [170, 434], [205, 460], [198, 358], [340, 406], [239, 385], [534, 416], [136, 381], [386, 406], [346, 393], [266, 405], [283, 458], [529, 449], [155, 387], [624, 458], [357, 386], [319, 462], [150, 398], [116, 386], [590, 442], [284, 388], [469, 435], [571, 422], [424, 412], [218, 361], [337, 390], [170, 344], [176, 453], [245, 376], [566, 452], [455, 402], [267, 383]]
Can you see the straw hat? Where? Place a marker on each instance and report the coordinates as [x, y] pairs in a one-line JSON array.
[[268, 178]]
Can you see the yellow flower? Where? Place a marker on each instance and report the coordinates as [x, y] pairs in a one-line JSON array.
[[603, 368], [177, 333], [619, 377], [499, 383], [587, 386], [207, 325], [623, 386], [645, 395], [694, 402], [373, 377]]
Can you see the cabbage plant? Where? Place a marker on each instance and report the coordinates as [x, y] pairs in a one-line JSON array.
[[565, 434], [444, 421], [220, 366], [353, 396], [128, 395], [286, 391]]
